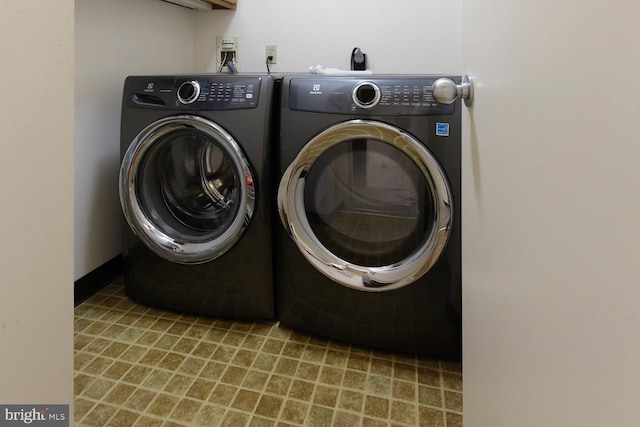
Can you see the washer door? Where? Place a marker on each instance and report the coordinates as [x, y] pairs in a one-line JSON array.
[[186, 189], [367, 205]]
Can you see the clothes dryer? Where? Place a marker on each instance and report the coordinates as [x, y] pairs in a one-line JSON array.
[[368, 251], [195, 189]]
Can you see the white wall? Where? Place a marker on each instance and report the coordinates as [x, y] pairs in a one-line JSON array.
[[36, 189], [404, 36], [551, 219], [114, 39]]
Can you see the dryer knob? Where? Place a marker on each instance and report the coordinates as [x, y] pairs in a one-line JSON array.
[[188, 92], [366, 95]]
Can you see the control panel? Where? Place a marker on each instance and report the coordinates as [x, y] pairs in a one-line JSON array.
[[376, 96], [196, 93]]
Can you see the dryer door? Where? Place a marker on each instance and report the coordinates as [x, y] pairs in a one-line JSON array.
[[186, 189], [367, 204]]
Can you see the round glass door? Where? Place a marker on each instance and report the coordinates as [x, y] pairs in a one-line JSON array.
[[186, 189], [367, 204]]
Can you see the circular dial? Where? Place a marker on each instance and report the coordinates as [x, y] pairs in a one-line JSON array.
[[188, 92], [366, 95]]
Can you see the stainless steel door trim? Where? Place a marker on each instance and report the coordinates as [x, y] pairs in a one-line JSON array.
[[181, 249], [290, 201]]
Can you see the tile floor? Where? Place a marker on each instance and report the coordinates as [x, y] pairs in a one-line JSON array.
[[139, 366]]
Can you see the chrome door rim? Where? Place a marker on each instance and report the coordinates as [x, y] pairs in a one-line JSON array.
[[291, 209], [173, 248]]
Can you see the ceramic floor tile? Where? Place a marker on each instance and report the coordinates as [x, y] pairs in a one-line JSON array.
[[142, 366]]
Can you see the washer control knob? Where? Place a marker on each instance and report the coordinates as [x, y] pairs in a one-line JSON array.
[[366, 95], [188, 92]]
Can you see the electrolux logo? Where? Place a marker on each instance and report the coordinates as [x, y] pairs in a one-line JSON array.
[[316, 90], [41, 415]]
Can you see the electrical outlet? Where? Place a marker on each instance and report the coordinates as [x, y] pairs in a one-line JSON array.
[[272, 51]]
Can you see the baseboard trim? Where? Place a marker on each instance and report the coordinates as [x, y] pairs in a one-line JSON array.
[[97, 279]]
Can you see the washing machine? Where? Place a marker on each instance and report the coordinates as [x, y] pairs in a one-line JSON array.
[[196, 192], [368, 249]]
